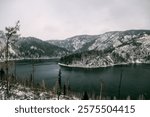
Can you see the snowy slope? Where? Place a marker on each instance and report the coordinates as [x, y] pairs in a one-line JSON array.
[[21, 92], [75, 43], [117, 38], [118, 47]]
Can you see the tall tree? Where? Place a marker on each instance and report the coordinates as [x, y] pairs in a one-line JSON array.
[[33, 56], [59, 87], [11, 33], [120, 83], [59, 79]]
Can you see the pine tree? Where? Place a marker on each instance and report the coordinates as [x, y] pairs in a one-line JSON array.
[[85, 96], [59, 78], [2, 73], [11, 32], [64, 89], [59, 84]]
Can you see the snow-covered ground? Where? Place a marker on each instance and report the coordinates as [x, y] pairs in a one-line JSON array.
[[19, 92], [92, 67]]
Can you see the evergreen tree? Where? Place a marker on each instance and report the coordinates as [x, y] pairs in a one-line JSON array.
[[59, 84], [85, 96], [59, 78], [64, 89], [2, 73], [10, 35]]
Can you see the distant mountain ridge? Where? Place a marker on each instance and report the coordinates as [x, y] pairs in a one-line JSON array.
[[30, 47], [116, 47], [90, 42], [34, 47], [110, 48], [75, 43]]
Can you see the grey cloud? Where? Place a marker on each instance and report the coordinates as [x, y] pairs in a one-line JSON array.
[[48, 19]]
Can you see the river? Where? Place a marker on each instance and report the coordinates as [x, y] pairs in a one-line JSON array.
[[119, 81]]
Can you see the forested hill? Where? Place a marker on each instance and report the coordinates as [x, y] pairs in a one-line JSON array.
[[117, 47], [30, 47]]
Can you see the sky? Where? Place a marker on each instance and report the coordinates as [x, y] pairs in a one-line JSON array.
[[60, 19]]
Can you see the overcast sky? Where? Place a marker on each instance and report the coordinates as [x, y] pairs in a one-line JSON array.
[[60, 19]]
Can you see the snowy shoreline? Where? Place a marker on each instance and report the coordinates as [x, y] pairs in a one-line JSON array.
[[88, 67], [42, 58]]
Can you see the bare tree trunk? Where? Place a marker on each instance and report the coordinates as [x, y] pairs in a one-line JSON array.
[[7, 77], [10, 32], [33, 73], [119, 90], [58, 97], [15, 70], [101, 91]]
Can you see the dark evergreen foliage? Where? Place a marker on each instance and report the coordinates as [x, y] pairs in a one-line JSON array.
[[2, 74], [59, 79], [64, 89], [85, 96], [42, 48]]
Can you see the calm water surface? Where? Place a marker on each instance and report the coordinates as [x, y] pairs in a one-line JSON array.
[[121, 81]]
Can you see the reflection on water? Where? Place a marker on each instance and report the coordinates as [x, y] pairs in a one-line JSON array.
[[120, 81]]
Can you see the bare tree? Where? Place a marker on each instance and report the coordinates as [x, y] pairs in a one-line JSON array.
[[102, 84], [120, 83], [101, 89], [33, 57], [43, 85]]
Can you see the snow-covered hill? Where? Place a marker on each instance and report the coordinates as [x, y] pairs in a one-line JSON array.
[[118, 38], [33, 47], [30, 47], [76, 43], [118, 47]]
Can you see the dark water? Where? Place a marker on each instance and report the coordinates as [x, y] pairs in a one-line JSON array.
[[120, 81]]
